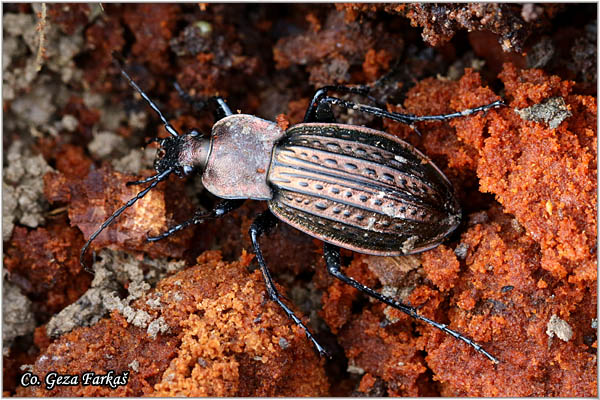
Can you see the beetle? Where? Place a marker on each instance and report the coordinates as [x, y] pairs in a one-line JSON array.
[[349, 186]]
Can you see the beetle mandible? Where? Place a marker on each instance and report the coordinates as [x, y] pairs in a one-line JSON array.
[[349, 186]]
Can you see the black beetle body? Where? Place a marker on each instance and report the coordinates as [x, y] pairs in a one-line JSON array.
[[350, 186]]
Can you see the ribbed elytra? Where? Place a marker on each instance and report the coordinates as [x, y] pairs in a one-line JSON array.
[[361, 189]]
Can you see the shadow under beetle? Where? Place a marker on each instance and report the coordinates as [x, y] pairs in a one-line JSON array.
[[349, 186]]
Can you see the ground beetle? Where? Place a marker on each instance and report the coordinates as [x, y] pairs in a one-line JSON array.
[[349, 186]]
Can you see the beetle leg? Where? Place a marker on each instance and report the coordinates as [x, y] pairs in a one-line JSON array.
[[402, 118], [197, 104], [262, 224], [319, 111], [332, 259], [221, 109], [221, 209]]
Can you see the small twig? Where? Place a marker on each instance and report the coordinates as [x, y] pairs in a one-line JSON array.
[[41, 27], [56, 211]]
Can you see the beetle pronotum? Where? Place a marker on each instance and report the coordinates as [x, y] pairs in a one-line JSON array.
[[349, 186]]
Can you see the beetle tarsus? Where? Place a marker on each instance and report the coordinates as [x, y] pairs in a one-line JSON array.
[[220, 209], [262, 224], [331, 254], [463, 113]]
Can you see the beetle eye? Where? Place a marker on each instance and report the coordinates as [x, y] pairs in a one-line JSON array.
[[160, 153], [194, 133], [187, 169]]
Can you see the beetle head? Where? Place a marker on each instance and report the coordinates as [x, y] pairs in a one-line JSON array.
[[183, 154], [167, 155]]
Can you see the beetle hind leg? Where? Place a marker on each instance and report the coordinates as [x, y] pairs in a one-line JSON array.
[[221, 209], [332, 259], [262, 224]]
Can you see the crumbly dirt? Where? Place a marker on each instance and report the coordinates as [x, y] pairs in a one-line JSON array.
[[221, 339]]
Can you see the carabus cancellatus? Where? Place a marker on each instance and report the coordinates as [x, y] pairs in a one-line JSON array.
[[349, 186]]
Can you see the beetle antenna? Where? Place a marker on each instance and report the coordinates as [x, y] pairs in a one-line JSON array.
[[141, 181], [172, 131], [157, 179]]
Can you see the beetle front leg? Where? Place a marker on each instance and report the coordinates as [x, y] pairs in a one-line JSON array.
[[220, 107], [332, 259], [262, 224], [221, 209]]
